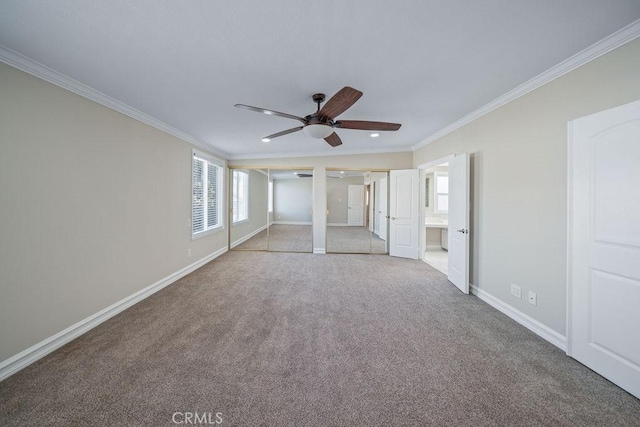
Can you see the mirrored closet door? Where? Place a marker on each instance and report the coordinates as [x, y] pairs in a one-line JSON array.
[[290, 229], [248, 206], [356, 219], [279, 207]]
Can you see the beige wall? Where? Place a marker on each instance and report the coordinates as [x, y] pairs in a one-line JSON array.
[[519, 196], [94, 207]]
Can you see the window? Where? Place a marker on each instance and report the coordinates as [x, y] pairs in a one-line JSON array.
[[270, 196], [240, 196], [426, 192], [206, 194], [442, 192]]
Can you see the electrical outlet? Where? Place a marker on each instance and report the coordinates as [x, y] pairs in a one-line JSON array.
[[189, 253], [516, 291], [533, 298]]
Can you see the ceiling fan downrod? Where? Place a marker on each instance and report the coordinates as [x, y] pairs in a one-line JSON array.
[[318, 98]]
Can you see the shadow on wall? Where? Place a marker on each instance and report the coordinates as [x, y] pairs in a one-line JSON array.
[[475, 160]]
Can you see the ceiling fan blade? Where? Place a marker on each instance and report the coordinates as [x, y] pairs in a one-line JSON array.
[[271, 112], [340, 102], [333, 140], [284, 132], [366, 125]]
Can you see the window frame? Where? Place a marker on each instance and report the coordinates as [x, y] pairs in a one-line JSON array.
[[233, 193], [436, 192], [220, 193]]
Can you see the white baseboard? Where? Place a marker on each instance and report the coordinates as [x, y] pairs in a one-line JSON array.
[[43, 348], [320, 251], [528, 322], [290, 223], [247, 237], [337, 224]]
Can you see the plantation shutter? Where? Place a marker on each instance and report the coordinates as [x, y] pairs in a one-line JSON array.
[[212, 196], [197, 213], [206, 212]]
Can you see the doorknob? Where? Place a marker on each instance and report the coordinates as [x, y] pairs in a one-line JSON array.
[[463, 231]]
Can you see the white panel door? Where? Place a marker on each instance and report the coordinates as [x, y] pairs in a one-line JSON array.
[[458, 268], [382, 218], [404, 213], [604, 244], [356, 205]]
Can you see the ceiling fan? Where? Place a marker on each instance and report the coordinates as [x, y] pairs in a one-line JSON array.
[[322, 123]]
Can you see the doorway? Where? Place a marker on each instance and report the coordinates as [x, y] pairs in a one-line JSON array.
[[435, 218], [444, 221]]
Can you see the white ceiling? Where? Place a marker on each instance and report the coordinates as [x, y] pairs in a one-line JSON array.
[[421, 63]]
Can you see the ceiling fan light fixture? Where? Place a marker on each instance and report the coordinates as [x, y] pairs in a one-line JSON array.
[[318, 131], [320, 125]]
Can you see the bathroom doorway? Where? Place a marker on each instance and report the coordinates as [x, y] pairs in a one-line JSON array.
[[445, 222], [436, 216]]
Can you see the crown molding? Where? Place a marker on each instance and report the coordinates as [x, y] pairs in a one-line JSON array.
[[345, 152], [43, 72], [609, 43]]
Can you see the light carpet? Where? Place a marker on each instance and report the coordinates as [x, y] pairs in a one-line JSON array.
[[281, 238], [310, 340], [354, 240]]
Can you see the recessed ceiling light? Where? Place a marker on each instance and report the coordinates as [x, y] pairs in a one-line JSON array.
[[295, 173], [341, 171], [375, 135], [265, 140]]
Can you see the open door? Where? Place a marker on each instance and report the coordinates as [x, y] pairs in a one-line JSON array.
[[404, 211], [459, 222], [604, 244]]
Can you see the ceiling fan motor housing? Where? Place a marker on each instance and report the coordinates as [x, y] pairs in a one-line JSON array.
[[318, 97]]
